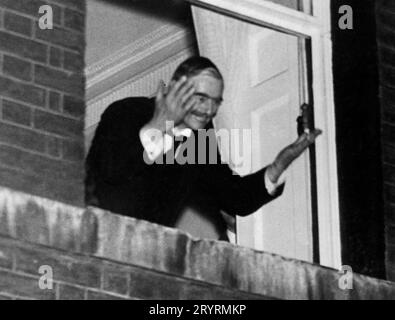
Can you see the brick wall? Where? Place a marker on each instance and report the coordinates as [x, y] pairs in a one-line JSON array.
[[78, 277], [385, 12], [42, 99], [95, 254]]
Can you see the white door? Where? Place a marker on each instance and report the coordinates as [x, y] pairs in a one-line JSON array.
[[262, 94]]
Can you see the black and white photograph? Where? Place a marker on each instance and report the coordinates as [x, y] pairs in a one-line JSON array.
[[197, 154]]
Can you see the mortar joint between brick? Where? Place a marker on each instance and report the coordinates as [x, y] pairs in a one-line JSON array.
[[128, 284], [386, 65], [384, 45], [61, 26], [33, 152], [102, 277], [34, 18], [386, 9], [67, 6], [388, 123], [40, 41], [31, 21], [2, 19], [44, 108], [13, 261], [57, 291]]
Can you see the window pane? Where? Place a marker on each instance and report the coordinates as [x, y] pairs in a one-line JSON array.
[[300, 5]]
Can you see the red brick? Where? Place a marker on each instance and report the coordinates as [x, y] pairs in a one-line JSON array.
[[146, 284], [73, 106], [71, 83], [74, 20], [389, 173], [390, 254], [386, 54], [17, 68], [55, 57], [37, 164], [31, 224], [54, 100], [6, 257], [89, 234], [390, 235], [54, 146], [4, 222], [19, 285], [73, 150], [389, 154], [23, 47], [31, 7], [390, 272], [385, 17], [62, 37], [22, 137], [95, 295], [73, 61], [116, 281], [76, 4], [67, 292], [388, 134], [389, 193], [387, 75], [388, 94], [17, 23], [22, 92], [387, 106], [17, 113], [387, 116], [58, 124], [67, 191], [65, 268], [200, 291], [389, 210]]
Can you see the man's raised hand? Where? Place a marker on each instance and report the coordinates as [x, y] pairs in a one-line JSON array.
[[172, 104], [290, 153]]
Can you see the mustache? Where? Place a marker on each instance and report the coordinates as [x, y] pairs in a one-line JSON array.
[[202, 113]]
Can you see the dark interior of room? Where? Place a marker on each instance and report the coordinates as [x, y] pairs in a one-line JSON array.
[[357, 108]]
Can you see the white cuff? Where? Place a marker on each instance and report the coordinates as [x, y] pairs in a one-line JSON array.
[[152, 141], [272, 187]]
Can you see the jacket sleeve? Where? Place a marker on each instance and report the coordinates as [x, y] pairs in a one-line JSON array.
[[235, 194], [116, 151]]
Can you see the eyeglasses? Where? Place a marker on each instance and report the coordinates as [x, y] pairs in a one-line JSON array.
[[203, 98]]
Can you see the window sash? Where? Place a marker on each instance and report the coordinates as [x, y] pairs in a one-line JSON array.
[[316, 28]]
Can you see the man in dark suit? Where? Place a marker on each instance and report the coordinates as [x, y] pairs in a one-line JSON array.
[[128, 168]]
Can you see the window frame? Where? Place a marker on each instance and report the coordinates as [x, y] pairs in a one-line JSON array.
[[317, 28]]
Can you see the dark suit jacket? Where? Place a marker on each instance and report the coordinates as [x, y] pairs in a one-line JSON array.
[[118, 179]]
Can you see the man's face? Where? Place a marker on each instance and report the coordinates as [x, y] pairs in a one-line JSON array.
[[208, 97]]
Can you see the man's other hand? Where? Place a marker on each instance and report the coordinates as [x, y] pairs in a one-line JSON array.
[[290, 153]]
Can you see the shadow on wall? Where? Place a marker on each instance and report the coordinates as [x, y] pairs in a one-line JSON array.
[[172, 10]]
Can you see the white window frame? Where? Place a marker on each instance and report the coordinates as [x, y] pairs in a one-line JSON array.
[[318, 29]]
